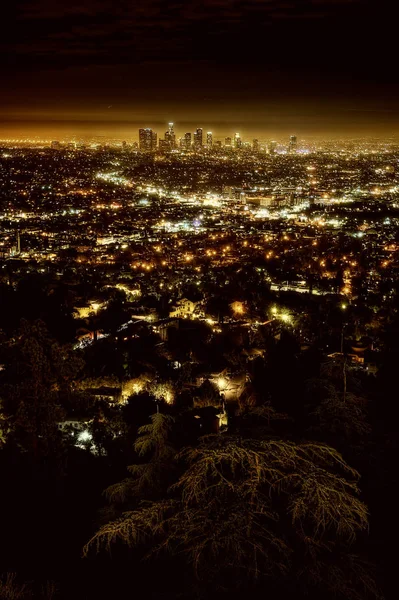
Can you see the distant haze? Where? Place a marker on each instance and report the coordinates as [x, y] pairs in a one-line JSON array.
[[271, 123]]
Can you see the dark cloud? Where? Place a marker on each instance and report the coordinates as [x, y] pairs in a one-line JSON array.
[[198, 53], [153, 28]]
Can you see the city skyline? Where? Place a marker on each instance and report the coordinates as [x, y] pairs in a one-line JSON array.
[[309, 124], [64, 131]]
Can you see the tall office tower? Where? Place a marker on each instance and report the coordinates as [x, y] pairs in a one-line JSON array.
[[187, 140], [237, 141], [293, 144], [165, 143], [272, 147], [217, 144], [147, 140], [163, 146], [255, 145], [209, 139], [170, 136], [144, 139], [198, 138], [154, 139], [227, 141]]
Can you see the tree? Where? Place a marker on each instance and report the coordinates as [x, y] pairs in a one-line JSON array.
[[336, 408], [10, 589], [38, 374], [248, 509], [148, 479]]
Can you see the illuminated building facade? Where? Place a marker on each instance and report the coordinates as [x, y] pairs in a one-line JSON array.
[[198, 138], [147, 140], [272, 147], [170, 136], [237, 141], [187, 140]]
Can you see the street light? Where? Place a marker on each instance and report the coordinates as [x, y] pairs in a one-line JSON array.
[[285, 317], [222, 383]]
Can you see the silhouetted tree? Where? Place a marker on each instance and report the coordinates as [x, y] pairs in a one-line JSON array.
[[248, 509]]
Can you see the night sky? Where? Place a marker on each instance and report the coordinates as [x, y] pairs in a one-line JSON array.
[[265, 67]]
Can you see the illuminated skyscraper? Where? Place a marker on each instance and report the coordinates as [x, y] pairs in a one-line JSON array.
[[163, 146], [187, 140], [170, 136], [209, 139], [255, 145], [293, 144], [227, 141], [198, 138], [237, 141], [147, 140], [272, 147], [154, 139]]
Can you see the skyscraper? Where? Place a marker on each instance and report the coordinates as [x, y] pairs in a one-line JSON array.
[[272, 147], [170, 136], [209, 139], [255, 145], [163, 146], [198, 138], [154, 139], [237, 141], [293, 144], [187, 140], [147, 140], [227, 141]]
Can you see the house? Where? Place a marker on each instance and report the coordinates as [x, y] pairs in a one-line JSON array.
[[74, 425], [184, 309], [86, 310]]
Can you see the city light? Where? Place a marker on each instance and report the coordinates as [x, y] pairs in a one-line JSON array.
[[199, 299]]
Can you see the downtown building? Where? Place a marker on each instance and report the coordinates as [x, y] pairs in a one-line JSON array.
[[147, 140]]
